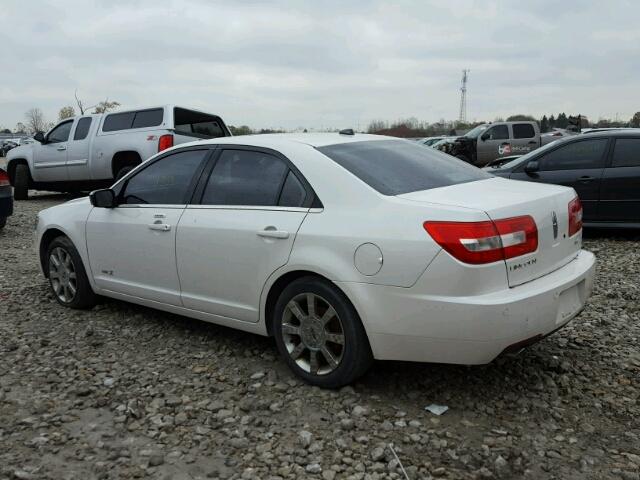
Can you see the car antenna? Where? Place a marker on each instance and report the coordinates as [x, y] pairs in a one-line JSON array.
[[347, 131]]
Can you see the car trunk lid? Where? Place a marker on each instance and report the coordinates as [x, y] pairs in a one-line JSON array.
[[501, 198]]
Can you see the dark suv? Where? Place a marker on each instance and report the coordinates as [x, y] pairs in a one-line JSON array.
[[602, 167]]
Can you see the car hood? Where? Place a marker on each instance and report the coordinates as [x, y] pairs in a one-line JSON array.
[[19, 151]]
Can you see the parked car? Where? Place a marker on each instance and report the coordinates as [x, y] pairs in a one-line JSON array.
[[90, 151], [430, 141], [6, 146], [556, 134], [343, 247], [603, 167], [502, 161], [6, 198], [489, 141]]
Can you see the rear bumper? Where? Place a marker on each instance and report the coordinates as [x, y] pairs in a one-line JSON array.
[[404, 324], [6, 202]]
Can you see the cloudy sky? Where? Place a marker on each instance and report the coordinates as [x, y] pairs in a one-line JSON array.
[[322, 64]]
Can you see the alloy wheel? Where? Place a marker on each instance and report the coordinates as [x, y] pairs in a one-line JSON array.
[[313, 334], [62, 275]]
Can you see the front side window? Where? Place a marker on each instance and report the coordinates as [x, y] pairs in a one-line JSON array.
[[499, 132], [164, 182], [523, 130], [394, 167], [60, 133], [575, 155], [82, 129], [242, 177], [626, 153]]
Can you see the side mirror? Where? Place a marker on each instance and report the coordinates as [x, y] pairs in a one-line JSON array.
[[39, 137], [105, 198], [532, 167], [485, 136]]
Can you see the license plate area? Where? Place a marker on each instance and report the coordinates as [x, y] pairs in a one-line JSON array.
[[570, 301]]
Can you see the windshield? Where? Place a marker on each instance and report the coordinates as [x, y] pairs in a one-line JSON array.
[[525, 158], [475, 133]]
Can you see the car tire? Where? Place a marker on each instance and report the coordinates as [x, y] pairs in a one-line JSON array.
[[21, 182], [123, 171], [326, 346], [67, 277], [3, 222]]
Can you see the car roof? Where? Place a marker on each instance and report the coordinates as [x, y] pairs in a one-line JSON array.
[[275, 140], [618, 132]]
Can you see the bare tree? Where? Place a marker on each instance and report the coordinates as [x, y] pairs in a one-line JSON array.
[[35, 121], [79, 102], [105, 106], [20, 128]]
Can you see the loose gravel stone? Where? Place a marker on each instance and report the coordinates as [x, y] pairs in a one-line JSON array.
[[123, 391]]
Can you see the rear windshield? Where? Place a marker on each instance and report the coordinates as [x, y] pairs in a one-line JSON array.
[[198, 124], [394, 167]]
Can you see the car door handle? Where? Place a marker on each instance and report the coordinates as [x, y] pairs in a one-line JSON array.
[[61, 148], [586, 179], [533, 142], [159, 226], [273, 233]]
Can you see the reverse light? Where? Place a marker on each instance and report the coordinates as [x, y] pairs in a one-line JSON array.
[[164, 142], [488, 241], [4, 179], [575, 216]]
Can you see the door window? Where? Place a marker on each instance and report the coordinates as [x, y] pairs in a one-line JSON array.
[[165, 182], [243, 177], [499, 132], [60, 133], [82, 130], [576, 155], [626, 152], [523, 130]]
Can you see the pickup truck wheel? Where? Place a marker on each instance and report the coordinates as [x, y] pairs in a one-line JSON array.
[[3, 222], [123, 171], [21, 182]]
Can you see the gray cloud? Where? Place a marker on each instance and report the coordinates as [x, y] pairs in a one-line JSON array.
[[290, 64]]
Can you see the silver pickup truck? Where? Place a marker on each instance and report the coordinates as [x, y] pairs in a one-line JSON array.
[[91, 151]]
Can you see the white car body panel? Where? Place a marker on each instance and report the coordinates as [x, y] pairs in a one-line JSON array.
[[422, 304]]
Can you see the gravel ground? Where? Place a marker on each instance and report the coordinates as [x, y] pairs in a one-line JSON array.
[[124, 391]]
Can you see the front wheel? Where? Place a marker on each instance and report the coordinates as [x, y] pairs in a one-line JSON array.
[[67, 276], [319, 334]]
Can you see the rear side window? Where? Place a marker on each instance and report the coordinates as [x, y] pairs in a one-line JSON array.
[[118, 121], [198, 124], [575, 155], [82, 130], [523, 130], [626, 153], [148, 118], [394, 167], [243, 177], [293, 192], [165, 182], [128, 120]]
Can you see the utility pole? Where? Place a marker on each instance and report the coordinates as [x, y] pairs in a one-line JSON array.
[[463, 97]]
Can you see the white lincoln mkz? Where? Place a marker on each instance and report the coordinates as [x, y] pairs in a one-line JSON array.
[[343, 247]]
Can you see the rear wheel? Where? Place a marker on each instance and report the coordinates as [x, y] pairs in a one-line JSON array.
[[123, 171], [319, 334], [21, 182], [67, 276]]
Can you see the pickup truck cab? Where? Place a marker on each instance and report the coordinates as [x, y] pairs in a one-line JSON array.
[[490, 141], [92, 150]]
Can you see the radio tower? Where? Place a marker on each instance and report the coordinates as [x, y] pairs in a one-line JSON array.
[[463, 97]]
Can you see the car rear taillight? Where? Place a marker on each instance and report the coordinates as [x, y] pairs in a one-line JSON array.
[[4, 179], [488, 241], [575, 216], [164, 142]]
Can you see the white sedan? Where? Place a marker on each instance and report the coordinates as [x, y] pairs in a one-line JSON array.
[[343, 247]]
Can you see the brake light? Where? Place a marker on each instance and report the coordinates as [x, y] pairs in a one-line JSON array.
[[164, 142], [486, 242], [575, 216], [4, 179]]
